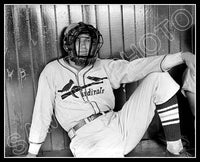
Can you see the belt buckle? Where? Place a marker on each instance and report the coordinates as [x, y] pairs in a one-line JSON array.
[[72, 133], [90, 118]]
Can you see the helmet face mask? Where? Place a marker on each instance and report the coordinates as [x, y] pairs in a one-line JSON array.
[[83, 45], [72, 43]]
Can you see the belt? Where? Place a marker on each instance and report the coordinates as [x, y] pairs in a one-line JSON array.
[[82, 122]]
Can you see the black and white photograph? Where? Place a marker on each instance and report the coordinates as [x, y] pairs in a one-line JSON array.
[[100, 81]]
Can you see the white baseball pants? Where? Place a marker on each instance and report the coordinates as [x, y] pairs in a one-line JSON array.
[[117, 133]]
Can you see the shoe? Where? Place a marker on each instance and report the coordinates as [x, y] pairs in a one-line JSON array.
[[183, 153], [162, 140]]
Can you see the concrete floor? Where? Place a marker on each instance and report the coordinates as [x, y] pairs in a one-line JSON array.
[[146, 148]]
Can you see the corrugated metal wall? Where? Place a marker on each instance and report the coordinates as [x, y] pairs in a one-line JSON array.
[[32, 40]]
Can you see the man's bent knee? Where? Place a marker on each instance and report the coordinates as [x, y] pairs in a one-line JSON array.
[[156, 75]]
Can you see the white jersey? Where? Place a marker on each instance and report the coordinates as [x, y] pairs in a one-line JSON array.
[[75, 95]]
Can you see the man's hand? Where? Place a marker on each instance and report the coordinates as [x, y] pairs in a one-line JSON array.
[[29, 155], [189, 59]]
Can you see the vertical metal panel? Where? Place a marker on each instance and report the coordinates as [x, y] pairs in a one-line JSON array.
[[62, 17], [7, 128], [162, 32], [129, 30], [185, 18], [175, 40], [30, 51], [193, 13], [116, 30], [76, 13], [140, 27], [151, 41], [49, 32], [14, 83], [10, 75], [103, 26], [89, 14], [122, 26], [194, 22], [26, 88], [36, 39]]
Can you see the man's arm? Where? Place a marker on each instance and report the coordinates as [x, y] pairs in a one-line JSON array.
[[122, 71], [172, 60], [42, 113]]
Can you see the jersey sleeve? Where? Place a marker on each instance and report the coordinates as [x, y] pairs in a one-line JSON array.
[[188, 82], [122, 71], [42, 112]]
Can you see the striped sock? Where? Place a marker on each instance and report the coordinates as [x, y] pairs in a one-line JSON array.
[[169, 116]]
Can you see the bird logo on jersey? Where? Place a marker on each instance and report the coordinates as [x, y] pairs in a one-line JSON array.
[[75, 88]]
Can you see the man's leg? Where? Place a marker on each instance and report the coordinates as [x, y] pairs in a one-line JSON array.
[[169, 115], [138, 111]]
